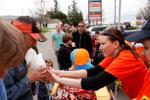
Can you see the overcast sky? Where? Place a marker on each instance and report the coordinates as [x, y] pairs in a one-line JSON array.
[[24, 7]]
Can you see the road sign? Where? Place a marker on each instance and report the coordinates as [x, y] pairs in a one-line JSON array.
[[95, 11]]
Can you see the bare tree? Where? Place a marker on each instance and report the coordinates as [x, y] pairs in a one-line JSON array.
[[40, 11], [145, 12]]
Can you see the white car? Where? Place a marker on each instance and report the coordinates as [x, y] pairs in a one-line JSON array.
[[94, 29]]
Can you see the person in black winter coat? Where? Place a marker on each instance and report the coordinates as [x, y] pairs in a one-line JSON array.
[[64, 52], [82, 38]]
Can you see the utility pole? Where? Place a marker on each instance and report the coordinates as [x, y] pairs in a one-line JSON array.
[[119, 15], [114, 12]]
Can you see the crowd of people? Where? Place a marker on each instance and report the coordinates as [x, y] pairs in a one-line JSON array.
[[122, 61], [83, 62]]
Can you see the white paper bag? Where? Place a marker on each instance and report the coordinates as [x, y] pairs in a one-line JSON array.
[[37, 62], [29, 56], [34, 61]]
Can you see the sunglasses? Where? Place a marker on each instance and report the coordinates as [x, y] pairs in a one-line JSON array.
[[81, 26]]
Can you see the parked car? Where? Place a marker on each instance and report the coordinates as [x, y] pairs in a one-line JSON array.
[[93, 29]]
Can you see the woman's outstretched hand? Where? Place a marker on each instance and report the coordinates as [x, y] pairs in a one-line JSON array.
[[53, 77], [58, 72]]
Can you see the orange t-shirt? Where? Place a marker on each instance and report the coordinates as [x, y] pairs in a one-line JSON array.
[[128, 69], [139, 50], [106, 62], [144, 93]]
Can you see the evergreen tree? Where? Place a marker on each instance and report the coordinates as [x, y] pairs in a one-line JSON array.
[[55, 13], [74, 15]]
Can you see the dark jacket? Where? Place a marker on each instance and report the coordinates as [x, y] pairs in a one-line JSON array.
[[17, 85], [64, 57], [42, 92], [83, 41]]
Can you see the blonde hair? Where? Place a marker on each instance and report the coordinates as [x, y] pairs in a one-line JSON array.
[[12, 45]]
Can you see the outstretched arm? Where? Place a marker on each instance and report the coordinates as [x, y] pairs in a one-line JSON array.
[[71, 74], [67, 81], [98, 81], [80, 74], [92, 83]]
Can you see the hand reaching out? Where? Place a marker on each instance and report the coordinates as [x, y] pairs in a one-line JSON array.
[[53, 76], [37, 75], [57, 72], [56, 77]]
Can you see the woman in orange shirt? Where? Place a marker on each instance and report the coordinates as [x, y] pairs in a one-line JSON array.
[[121, 63], [144, 37]]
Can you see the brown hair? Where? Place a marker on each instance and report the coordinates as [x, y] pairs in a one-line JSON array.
[[12, 45], [49, 61], [81, 22], [29, 20], [66, 37], [114, 34]]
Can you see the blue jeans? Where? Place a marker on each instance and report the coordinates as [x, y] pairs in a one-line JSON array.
[[42, 92]]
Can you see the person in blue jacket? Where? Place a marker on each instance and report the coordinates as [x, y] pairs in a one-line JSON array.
[[18, 80], [12, 51]]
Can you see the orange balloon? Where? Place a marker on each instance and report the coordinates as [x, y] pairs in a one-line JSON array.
[[81, 57]]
